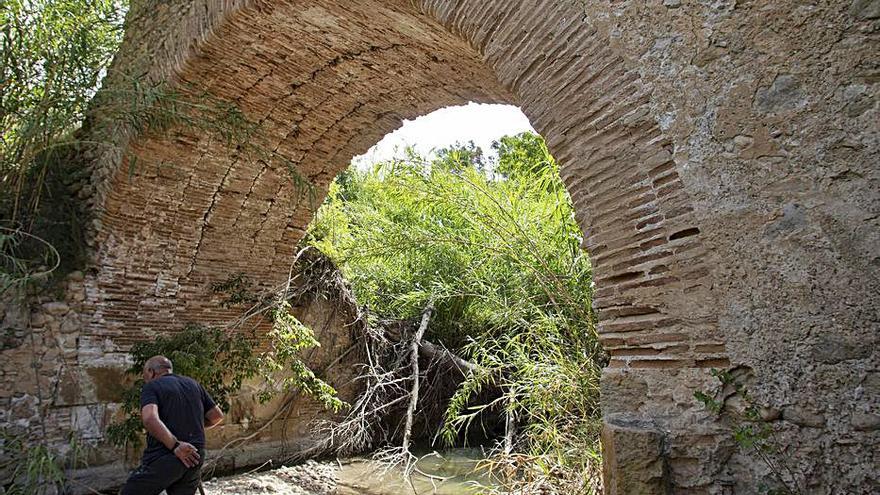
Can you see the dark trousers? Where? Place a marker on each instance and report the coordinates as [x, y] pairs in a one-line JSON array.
[[164, 473]]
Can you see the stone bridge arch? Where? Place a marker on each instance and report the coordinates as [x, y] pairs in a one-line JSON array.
[[714, 152]]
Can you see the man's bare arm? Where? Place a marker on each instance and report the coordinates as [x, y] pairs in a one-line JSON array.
[[186, 452], [213, 417], [155, 426]]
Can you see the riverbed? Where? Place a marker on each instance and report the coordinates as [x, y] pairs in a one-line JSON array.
[[450, 472]]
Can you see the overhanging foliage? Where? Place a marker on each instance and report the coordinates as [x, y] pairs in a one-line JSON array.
[[496, 247]]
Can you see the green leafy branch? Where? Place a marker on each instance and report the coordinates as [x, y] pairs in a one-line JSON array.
[[218, 360], [751, 432], [288, 338], [36, 469], [221, 359]]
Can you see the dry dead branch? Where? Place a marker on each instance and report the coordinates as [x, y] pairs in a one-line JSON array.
[[414, 364]]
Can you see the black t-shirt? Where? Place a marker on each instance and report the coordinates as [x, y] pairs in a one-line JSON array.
[[182, 403]]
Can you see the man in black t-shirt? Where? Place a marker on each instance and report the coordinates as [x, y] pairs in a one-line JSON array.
[[175, 410]]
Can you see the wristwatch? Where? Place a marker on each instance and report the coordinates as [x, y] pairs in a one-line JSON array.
[[176, 444]]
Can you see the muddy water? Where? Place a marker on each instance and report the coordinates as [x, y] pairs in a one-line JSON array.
[[363, 476]]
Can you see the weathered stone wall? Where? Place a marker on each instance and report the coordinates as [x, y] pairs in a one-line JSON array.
[[772, 109], [69, 397], [722, 157], [37, 362]]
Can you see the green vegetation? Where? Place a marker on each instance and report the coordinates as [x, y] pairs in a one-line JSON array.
[[495, 246], [54, 54], [222, 359], [54, 122], [36, 469], [752, 433]]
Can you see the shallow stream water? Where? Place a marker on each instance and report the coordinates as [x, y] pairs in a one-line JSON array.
[[363, 476]]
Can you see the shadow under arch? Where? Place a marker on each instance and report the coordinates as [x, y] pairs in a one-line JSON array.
[[326, 80]]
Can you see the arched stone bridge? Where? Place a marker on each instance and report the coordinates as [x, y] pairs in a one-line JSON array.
[[722, 157]]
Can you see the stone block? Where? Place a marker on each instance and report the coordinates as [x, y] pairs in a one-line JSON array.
[[865, 421], [622, 390], [785, 94], [40, 319], [633, 459], [832, 350], [69, 326], [56, 308], [803, 417], [67, 344]]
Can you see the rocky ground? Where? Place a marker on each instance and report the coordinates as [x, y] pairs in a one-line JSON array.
[[357, 476], [310, 478]]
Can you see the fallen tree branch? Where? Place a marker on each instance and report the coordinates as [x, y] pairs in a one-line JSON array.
[[364, 426], [414, 363], [509, 429], [374, 418], [441, 354]]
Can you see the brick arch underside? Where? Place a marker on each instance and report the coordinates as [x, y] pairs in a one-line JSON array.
[[327, 81], [324, 82]]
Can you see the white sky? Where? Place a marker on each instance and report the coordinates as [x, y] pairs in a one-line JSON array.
[[480, 123]]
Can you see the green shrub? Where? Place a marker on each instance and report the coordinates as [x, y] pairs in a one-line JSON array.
[[221, 360], [217, 360]]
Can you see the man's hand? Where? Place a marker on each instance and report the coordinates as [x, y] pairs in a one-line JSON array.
[[188, 454]]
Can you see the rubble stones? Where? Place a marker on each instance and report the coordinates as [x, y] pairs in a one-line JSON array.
[[310, 478]]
